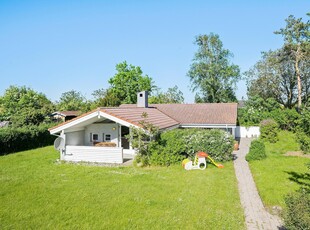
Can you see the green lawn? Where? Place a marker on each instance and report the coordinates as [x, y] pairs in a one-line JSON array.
[[38, 193], [278, 175]]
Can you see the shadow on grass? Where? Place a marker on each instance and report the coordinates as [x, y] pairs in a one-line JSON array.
[[302, 179]]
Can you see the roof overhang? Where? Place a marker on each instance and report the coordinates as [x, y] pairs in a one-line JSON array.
[[81, 122], [210, 126]]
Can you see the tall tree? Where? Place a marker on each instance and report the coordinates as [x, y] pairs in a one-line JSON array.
[[128, 81], [173, 95], [273, 77], [105, 98], [24, 106], [211, 73], [72, 100], [296, 36]]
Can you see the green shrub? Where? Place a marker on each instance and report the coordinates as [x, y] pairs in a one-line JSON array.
[[304, 141], [304, 121], [217, 143], [269, 130], [257, 151], [28, 137], [175, 145], [287, 119], [297, 214]]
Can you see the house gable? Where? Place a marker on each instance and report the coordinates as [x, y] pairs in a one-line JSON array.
[[89, 118]]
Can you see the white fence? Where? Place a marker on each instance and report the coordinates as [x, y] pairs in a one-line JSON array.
[[93, 154], [252, 131]]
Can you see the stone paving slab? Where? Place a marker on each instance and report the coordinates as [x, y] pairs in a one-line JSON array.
[[256, 216]]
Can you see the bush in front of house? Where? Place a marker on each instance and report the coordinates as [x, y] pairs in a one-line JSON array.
[[269, 130], [257, 151], [175, 145], [24, 138]]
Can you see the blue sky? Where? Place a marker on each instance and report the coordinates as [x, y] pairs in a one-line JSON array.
[[56, 46]]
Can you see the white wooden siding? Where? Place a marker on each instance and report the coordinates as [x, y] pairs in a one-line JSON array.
[[129, 153], [94, 154]]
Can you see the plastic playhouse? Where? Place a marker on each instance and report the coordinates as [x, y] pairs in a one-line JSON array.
[[199, 162]]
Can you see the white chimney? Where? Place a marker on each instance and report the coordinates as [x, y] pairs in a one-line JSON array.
[[142, 99]]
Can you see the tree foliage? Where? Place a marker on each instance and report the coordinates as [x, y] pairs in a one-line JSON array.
[[173, 95], [273, 77], [128, 81], [24, 106], [72, 100], [104, 98], [284, 74], [211, 73], [296, 36]]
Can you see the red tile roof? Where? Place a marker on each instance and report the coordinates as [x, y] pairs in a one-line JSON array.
[[168, 115], [134, 116], [205, 113]]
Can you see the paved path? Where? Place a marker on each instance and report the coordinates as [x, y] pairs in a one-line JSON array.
[[256, 216]]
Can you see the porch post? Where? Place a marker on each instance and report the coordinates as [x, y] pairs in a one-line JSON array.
[[130, 134], [119, 135], [233, 132]]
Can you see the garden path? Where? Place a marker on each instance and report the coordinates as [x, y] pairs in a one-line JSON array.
[[256, 216]]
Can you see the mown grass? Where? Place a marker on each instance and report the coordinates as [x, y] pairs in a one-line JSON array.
[[39, 193], [278, 175]]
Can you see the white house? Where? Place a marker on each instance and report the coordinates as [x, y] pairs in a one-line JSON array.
[[78, 137]]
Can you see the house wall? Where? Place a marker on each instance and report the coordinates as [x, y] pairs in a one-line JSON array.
[[101, 129], [252, 131], [75, 138], [93, 154]]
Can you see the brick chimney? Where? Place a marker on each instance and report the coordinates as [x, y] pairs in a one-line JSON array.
[[142, 99]]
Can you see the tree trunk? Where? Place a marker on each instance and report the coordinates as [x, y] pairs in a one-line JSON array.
[[298, 85], [298, 78]]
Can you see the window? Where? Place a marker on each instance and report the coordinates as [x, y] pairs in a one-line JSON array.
[[108, 137], [95, 137]]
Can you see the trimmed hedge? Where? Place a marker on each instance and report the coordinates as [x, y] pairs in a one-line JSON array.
[[28, 137], [257, 151], [175, 145]]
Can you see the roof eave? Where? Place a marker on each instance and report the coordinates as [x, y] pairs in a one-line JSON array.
[[195, 125]]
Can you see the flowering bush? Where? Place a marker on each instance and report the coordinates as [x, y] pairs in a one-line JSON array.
[[175, 145]]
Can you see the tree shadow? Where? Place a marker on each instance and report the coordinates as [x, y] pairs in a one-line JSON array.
[[303, 179]]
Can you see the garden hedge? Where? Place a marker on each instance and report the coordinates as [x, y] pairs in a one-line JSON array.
[[28, 137]]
